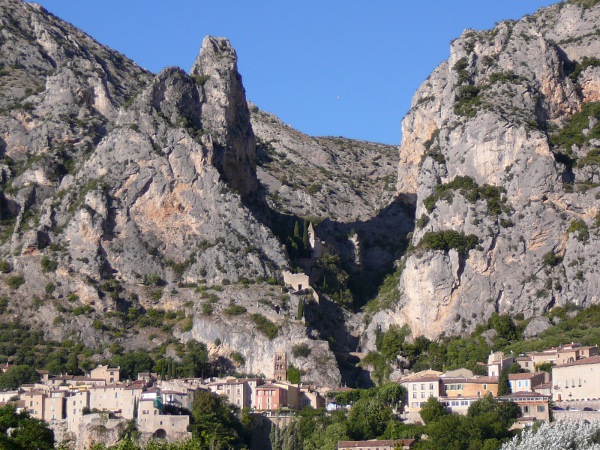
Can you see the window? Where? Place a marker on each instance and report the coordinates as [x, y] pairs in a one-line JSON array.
[[414, 395], [422, 394], [414, 387], [519, 383], [422, 386], [431, 386], [541, 408], [485, 387], [525, 409]]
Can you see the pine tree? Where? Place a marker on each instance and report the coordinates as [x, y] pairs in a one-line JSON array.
[[503, 383]]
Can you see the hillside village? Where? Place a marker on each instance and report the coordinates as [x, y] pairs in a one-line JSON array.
[[565, 390]]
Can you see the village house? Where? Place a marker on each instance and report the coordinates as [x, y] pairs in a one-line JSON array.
[[269, 397], [556, 355], [475, 386], [116, 398], [110, 375], [528, 381], [76, 405], [497, 362], [534, 406], [309, 397], [420, 386], [180, 399], [237, 391], [577, 380], [152, 420], [6, 396]]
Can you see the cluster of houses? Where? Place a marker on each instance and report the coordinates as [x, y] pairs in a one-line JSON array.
[[158, 406], [153, 403], [575, 370]]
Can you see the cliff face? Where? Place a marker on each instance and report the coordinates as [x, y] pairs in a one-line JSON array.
[[124, 191], [501, 143]]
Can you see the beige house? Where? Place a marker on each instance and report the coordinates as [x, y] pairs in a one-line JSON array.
[[577, 380], [110, 375], [534, 406], [557, 355], [526, 382], [473, 387], [117, 398], [308, 397], [55, 405], [237, 391], [150, 420], [420, 389], [6, 396], [76, 403], [34, 403], [497, 362]]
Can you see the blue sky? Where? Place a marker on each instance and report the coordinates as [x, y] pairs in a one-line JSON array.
[[328, 68]]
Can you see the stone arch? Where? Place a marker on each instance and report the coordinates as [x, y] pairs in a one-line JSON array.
[[160, 434]]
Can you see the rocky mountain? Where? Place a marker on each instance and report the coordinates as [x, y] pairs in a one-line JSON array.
[[501, 149], [144, 210], [125, 192]]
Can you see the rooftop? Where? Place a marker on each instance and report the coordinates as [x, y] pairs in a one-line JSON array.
[[582, 362]]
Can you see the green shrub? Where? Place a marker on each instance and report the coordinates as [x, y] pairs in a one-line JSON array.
[[234, 310], [86, 309], [579, 227], [572, 132], [207, 309], [471, 191], [265, 326], [293, 374], [49, 288], [467, 101], [422, 222], [48, 264], [238, 358], [153, 279], [551, 259], [15, 282], [578, 68], [449, 239], [301, 350], [5, 266], [187, 324]]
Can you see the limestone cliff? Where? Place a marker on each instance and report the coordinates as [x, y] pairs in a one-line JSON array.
[[124, 191], [501, 146]]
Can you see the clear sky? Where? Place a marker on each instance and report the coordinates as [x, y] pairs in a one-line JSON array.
[[326, 67]]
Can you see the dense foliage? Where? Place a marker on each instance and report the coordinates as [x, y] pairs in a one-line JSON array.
[[372, 416], [448, 240], [26, 433], [471, 191]]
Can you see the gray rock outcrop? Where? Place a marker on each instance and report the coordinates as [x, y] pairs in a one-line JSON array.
[[493, 112]]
